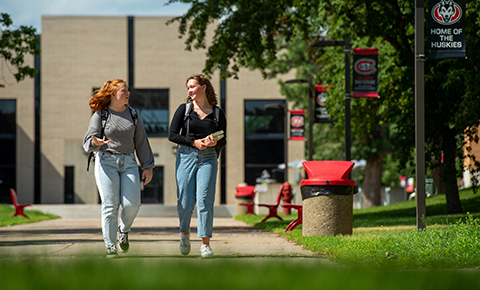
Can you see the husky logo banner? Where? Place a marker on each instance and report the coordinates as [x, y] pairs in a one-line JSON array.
[[321, 112], [365, 73], [446, 30], [297, 125]]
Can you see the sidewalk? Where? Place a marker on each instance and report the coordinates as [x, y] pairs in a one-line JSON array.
[[78, 234]]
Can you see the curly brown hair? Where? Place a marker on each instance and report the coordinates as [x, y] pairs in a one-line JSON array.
[[209, 92], [101, 98]]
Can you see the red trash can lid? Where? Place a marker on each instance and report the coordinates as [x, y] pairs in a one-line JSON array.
[[328, 173]]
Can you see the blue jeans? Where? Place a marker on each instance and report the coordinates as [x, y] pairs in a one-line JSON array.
[[196, 174], [118, 182]]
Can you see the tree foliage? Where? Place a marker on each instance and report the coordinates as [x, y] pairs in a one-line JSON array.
[[15, 44], [269, 36]]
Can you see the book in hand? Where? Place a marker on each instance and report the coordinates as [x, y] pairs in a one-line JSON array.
[[217, 135]]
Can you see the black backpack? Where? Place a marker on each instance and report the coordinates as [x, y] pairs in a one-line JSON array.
[[105, 114]]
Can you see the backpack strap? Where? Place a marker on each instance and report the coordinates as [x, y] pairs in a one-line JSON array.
[[104, 115], [134, 115], [216, 110], [188, 110]]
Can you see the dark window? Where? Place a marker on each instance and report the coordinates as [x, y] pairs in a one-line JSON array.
[[69, 184], [153, 191], [152, 105], [8, 135], [264, 139]]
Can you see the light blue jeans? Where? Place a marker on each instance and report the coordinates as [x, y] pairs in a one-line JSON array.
[[196, 174], [118, 182]]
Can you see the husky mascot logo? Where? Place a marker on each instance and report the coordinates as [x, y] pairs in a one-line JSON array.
[[446, 12]]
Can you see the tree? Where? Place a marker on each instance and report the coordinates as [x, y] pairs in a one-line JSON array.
[[254, 34], [15, 44]]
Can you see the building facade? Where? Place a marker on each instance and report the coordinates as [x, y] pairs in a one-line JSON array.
[[46, 162]]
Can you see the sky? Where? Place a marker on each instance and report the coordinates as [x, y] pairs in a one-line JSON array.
[[29, 12]]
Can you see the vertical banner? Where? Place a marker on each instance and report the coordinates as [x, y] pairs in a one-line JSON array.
[[365, 73], [297, 125], [321, 113], [446, 28]]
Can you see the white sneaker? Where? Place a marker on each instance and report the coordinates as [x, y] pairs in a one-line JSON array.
[[206, 251], [112, 252], [185, 243]]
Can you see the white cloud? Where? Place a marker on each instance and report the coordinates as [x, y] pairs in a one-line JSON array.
[[29, 12]]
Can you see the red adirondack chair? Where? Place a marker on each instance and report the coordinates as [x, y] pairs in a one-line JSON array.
[[247, 191], [18, 207], [299, 219], [272, 208]]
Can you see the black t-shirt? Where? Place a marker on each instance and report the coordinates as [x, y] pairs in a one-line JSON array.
[[198, 128]]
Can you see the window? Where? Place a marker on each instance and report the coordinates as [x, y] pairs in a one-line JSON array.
[[152, 105], [69, 191], [153, 191], [8, 148], [264, 139]]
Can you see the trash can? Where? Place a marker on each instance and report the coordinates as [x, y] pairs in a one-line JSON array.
[[430, 187], [244, 195], [327, 197]]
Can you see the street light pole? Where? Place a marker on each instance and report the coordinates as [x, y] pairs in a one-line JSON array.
[[285, 141], [420, 113], [348, 95]]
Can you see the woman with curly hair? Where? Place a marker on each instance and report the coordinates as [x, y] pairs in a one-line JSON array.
[[115, 133], [196, 164]]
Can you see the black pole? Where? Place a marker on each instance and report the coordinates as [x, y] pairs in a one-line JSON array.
[[420, 113], [285, 140], [348, 96], [223, 158], [311, 97], [131, 53]]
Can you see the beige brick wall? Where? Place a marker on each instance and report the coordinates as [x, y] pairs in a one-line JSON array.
[[81, 53], [78, 54], [24, 95]]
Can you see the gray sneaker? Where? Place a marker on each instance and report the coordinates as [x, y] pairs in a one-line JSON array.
[[206, 251], [185, 243], [123, 244], [112, 251]]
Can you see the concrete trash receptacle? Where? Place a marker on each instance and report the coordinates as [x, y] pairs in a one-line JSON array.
[[327, 197]]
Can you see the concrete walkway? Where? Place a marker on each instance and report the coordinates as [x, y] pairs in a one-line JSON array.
[[78, 234]]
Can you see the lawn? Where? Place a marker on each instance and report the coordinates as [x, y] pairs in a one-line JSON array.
[[385, 251], [387, 236], [7, 218]]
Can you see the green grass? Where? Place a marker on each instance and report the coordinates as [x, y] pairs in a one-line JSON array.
[[262, 274], [387, 236], [384, 252], [7, 218]]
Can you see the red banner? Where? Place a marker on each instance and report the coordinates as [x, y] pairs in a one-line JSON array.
[[365, 73], [297, 125]]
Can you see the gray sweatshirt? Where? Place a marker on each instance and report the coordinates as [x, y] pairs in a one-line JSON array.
[[125, 138]]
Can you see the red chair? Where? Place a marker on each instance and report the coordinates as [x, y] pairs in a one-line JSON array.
[[272, 208], [299, 219], [18, 207], [244, 191]]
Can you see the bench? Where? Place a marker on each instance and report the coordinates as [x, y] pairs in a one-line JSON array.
[[296, 222], [18, 207], [250, 205], [272, 208]]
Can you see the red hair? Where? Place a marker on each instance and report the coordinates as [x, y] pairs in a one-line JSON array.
[[101, 98]]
